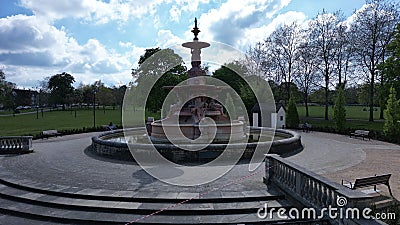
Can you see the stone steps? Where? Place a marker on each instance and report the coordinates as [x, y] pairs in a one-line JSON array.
[[60, 204], [187, 207]]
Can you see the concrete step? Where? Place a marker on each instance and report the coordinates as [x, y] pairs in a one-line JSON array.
[[132, 196], [185, 207], [49, 214]]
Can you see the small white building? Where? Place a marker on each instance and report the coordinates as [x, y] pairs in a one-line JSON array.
[[277, 118]]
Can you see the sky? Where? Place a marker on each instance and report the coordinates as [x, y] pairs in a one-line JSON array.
[[103, 39]]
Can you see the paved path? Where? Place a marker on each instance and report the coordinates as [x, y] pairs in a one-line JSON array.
[[340, 157]]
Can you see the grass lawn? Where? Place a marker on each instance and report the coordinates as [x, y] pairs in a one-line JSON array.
[[59, 120], [352, 112], [357, 117], [27, 124]]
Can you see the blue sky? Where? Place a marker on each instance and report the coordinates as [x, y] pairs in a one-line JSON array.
[[94, 39]]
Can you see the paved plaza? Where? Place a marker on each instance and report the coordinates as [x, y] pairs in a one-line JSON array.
[[66, 165], [67, 161]]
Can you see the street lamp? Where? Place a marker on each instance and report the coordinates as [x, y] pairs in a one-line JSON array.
[[94, 107], [37, 103], [14, 95]]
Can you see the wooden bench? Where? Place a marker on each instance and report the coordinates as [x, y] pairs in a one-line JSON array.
[[16, 144], [50, 133], [361, 133], [369, 181], [305, 127], [108, 127]]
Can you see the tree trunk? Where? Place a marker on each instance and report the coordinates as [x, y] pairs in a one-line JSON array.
[[326, 97], [381, 99], [288, 91], [371, 97], [306, 104]]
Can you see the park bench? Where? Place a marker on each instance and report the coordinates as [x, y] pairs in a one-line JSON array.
[[108, 127], [361, 133], [50, 133], [369, 181], [305, 127], [16, 144]]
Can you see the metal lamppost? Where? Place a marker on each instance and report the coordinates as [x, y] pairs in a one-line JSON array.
[[37, 104], [14, 95], [94, 107]]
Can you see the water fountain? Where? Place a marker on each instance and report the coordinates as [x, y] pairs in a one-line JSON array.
[[196, 121], [192, 118]]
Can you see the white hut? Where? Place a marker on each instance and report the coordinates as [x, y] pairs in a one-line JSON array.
[[277, 118]]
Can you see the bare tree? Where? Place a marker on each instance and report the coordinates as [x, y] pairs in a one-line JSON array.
[[282, 50], [343, 53], [372, 29], [323, 30], [308, 75], [255, 61]]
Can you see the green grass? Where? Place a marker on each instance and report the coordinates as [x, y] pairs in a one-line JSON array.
[[59, 120], [352, 112], [65, 120]]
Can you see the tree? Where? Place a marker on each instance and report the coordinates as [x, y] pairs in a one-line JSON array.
[[390, 69], [391, 128], [339, 111], [308, 75], [283, 50], [229, 73], [6, 89], [292, 116], [373, 28], [157, 68], [61, 89], [322, 32], [343, 53]]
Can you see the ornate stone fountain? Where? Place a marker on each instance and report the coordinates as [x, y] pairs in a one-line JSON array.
[[202, 117]]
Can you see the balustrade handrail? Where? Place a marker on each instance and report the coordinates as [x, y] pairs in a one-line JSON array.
[[16, 144], [311, 189]]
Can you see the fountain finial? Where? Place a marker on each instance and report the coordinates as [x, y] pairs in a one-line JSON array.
[[195, 30]]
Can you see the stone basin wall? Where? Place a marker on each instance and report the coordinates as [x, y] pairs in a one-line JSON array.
[[291, 144]]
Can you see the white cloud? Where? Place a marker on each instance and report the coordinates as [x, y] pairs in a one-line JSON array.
[[233, 19], [29, 43], [254, 35], [166, 38], [102, 12], [175, 13], [91, 10]]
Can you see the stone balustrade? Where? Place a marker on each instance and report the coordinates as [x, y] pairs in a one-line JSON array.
[[16, 144], [314, 191]]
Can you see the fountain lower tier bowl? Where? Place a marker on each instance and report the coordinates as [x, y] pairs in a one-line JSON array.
[[118, 144], [164, 132]]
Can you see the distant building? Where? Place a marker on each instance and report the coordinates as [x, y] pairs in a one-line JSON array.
[[24, 97], [274, 117]]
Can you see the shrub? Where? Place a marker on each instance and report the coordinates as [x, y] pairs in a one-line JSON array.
[[391, 128], [292, 116], [339, 111]]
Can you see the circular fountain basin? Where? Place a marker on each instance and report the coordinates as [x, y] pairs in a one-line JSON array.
[[115, 144]]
